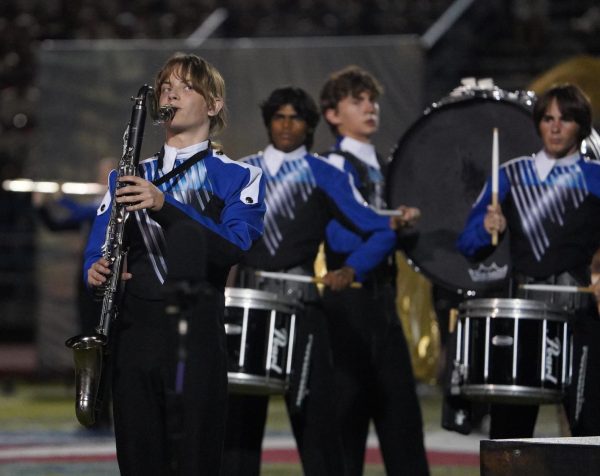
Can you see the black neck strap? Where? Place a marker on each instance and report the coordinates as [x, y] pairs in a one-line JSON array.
[[183, 166]]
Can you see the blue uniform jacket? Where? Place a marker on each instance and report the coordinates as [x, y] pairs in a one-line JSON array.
[[224, 196]]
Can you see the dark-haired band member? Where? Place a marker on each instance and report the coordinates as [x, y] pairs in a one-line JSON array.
[[550, 203], [304, 193], [162, 428]]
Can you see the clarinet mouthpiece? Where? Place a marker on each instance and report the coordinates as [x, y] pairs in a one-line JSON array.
[[165, 113]]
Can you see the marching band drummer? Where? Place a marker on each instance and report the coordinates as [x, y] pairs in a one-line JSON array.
[[373, 370], [304, 192], [550, 202], [218, 203]]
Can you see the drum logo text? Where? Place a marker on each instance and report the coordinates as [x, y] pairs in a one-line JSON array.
[[552, 350], [484, 274], [280, 340]]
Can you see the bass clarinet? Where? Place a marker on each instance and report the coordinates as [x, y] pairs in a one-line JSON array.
[[89, 351]]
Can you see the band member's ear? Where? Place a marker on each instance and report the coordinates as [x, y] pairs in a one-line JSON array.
[[332, 116], [216, 107]]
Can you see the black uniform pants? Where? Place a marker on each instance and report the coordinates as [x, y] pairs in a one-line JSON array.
[[310, 405], [374, 380], [158, 430]]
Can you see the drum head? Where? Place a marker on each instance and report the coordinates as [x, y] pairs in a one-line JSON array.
[[441, 164]]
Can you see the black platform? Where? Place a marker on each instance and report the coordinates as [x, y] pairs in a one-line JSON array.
[[541, 457]]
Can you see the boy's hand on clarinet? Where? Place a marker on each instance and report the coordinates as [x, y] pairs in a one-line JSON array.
[[139, 193], [99, 272]]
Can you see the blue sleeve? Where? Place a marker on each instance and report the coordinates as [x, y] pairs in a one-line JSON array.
[[78, 212], [340, 239], [97, 236], [474, 237], [378, 238], [591, 170], [242, 189]]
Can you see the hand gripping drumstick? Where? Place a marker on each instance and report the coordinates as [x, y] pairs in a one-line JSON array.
[[300, 278], [495, 167]]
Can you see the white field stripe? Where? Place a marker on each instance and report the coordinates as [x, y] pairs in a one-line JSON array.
[[57, 451], [436, 441]]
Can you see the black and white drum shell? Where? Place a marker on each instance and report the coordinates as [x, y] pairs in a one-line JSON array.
[[259, 327], [512, 351]]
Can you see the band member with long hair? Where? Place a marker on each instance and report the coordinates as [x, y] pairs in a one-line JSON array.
[[163, 426]]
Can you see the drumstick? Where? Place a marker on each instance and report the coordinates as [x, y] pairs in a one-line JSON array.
[[299, 278], [453, 318], [556, 288], [495, 166], [389, 213]]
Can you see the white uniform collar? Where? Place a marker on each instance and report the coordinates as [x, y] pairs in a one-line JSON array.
[[544, 164], [362, 151], [274, 158], [171, 153]]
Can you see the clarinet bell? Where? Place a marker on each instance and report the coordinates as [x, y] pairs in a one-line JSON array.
[[88, 353]]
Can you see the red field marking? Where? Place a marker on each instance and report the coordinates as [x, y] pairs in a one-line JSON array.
[[277, 455]]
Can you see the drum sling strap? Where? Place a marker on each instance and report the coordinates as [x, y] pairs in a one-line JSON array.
[[367, 186]]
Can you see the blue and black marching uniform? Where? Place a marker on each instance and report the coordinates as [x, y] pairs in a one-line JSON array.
[[551, 208], [223, 202], [303, 194], [374, 378]]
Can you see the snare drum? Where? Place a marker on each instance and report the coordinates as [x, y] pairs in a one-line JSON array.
[[512, 351], [260, 335]]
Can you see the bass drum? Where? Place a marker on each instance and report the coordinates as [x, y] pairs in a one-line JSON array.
[[441, 164]]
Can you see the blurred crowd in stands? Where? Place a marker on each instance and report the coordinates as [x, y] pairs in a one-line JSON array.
[[26, 23]]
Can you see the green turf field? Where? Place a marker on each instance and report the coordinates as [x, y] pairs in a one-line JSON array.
[[44, 412]]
